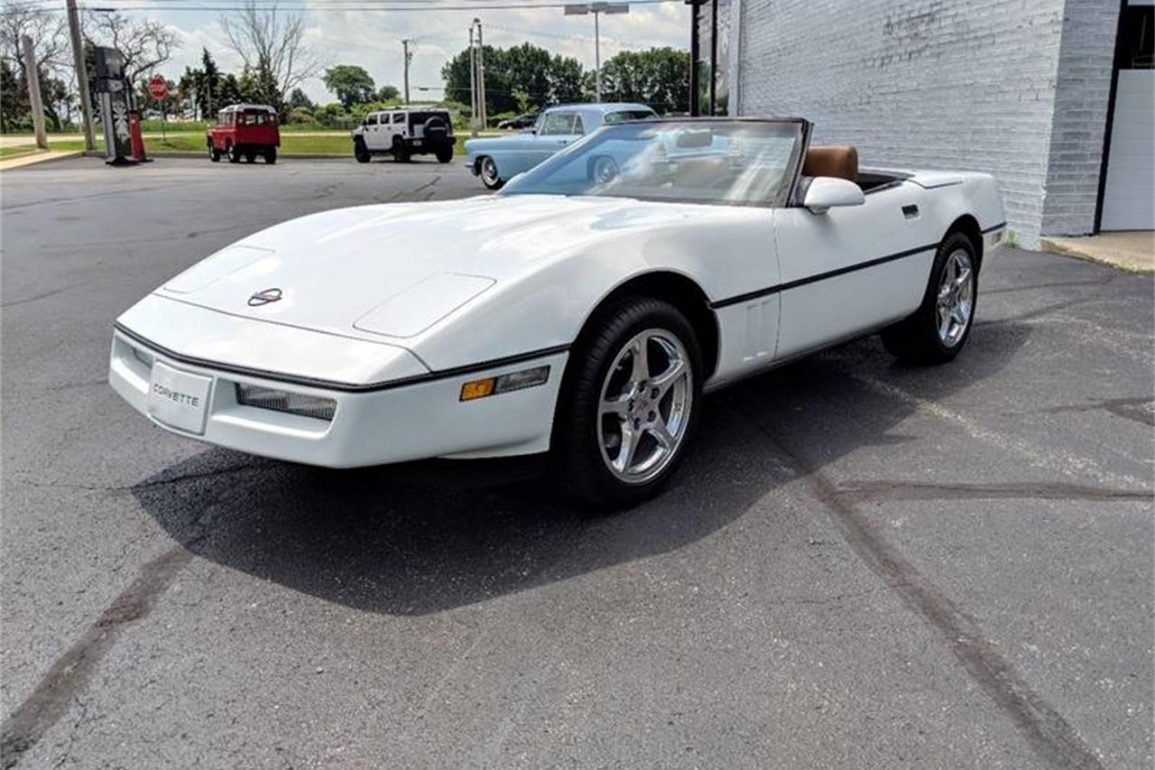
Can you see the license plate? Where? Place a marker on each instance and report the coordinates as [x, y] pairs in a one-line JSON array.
[[178, 399], [416, 142]]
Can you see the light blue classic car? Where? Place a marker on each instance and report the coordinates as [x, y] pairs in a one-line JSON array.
[[500, 158]]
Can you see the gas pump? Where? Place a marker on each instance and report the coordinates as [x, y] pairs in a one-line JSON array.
[[115, 96]]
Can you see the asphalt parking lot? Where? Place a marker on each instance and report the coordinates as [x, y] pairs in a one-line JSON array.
[[862, 565]]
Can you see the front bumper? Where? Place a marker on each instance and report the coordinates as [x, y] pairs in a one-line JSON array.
[[388, 424]]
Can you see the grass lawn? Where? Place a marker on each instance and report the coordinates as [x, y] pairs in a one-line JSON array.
[[291, 144], [14, 152]]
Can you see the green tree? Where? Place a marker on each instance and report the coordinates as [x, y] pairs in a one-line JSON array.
[[659, 77], [230, 92], [298, 100], [565, 82], [514, 76], [388, 93], [351, 84], [14, 109], [209, 90]]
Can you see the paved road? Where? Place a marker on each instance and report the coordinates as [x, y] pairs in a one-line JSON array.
[[862, 565]]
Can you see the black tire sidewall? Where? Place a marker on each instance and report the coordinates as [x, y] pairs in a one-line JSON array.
[[916, 339], [492, 185], [400, 151], [578, 451]]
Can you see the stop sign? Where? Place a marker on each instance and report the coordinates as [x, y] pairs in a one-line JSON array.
[[157, 87]]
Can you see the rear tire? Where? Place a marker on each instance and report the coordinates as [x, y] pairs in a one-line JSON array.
[[250, 156], [938, 330], [270, 155], [624, 417], [445, 154], [487, 170], [400, 151]]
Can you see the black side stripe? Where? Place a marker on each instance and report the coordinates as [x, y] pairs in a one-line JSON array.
[[819, 277], [832, 274], [346, 387]]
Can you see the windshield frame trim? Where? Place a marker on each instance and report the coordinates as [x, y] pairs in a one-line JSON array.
[[786, 200]]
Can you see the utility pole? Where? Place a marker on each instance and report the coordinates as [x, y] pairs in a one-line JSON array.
[[81, 74], [597, 58], [581, 9], [408, 58], [473, 112], [32, 75], [481, 75]]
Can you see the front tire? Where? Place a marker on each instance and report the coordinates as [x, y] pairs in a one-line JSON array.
[[214, 154], [487, 170], [361, 152], [629, 403], [270, 155], [233, 153], [941, 326]]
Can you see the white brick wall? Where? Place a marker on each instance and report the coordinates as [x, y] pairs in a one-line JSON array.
[[946, 84], [1080, 119]]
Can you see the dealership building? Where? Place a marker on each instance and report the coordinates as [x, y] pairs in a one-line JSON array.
[[1052, 97]]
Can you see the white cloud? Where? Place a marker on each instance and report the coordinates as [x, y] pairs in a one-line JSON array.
[[372, 39]]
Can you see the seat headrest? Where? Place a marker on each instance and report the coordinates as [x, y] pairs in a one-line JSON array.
[[837, 160]]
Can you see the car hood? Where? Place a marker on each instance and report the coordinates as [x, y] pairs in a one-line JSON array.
[[395, 270]]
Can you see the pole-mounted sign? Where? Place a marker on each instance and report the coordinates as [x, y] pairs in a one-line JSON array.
[[157, 87]]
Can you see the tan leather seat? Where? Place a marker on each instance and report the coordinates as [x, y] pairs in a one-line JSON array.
[[837, 160], [700, 173]]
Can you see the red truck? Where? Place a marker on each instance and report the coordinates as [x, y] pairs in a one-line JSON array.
[[245, 131]]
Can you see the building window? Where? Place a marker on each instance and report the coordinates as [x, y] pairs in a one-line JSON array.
[[710, 57]]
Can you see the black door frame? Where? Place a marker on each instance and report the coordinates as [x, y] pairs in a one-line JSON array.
[[1116, 65]]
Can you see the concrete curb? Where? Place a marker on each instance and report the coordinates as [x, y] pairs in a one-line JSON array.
[[280, 155], [33, 158], [1133, 252]]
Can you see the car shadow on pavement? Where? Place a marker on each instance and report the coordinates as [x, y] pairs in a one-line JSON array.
[[425, 537]]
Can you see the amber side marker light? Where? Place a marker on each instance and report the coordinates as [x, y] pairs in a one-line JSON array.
[[505, 383]]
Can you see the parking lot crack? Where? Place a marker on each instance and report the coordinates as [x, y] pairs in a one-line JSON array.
[[1043, 727], [67, 679], [861, 491], [70, 673]]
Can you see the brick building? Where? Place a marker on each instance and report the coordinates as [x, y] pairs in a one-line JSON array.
[[1053, 97]]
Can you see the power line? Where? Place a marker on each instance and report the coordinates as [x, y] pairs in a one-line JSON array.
[[333, 5]]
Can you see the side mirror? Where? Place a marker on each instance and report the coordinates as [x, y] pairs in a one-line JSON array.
[[825, 192]]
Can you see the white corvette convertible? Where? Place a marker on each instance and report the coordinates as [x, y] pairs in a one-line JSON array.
[[582, 311]]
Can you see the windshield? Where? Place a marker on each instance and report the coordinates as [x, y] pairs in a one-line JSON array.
[[690, 161]]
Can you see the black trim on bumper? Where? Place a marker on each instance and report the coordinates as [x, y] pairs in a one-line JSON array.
[[345, 387]]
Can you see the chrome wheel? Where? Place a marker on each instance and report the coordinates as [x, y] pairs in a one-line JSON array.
[[605, 169], [489, 175], [644, 409], [956, 293]]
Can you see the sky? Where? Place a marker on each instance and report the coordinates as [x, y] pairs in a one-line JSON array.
[[372, 38]]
